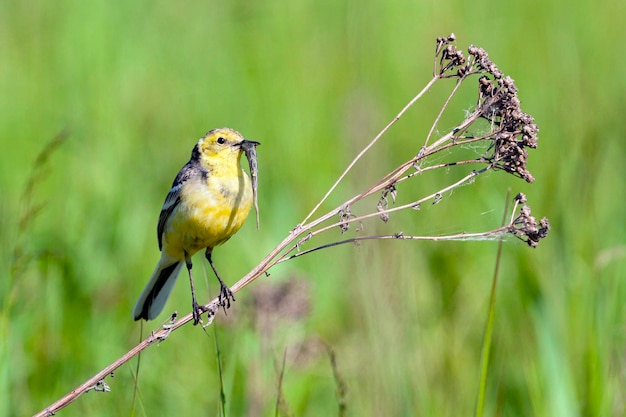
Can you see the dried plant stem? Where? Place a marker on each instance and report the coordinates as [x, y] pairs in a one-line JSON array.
[[97, 383], [369, 146], [511, 133], [442, 111], [411, 205], [489, 235]]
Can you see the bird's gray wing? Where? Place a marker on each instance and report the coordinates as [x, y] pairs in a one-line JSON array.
[[173, 198]]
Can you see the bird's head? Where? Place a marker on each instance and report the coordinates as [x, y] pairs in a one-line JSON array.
[[221, 145]]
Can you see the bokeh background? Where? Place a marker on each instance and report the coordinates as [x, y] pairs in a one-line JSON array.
[[134, 84]]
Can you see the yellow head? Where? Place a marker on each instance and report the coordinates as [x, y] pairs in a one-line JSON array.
[[222, 145], [221, 149]]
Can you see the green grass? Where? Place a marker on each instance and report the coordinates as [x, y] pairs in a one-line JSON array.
[[135, 84]]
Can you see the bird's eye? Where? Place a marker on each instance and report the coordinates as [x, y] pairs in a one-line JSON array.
[[221, 140]]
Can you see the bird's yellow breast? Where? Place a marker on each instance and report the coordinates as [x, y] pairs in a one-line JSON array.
[[211, 210]]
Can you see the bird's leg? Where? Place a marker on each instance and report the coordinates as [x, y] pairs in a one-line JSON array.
[[225, 293], [197, 310]]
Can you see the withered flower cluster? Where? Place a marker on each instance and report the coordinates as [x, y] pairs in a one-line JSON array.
[[512, 130], [525, 226]]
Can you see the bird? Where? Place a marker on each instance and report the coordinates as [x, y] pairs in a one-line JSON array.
[[208, 203]]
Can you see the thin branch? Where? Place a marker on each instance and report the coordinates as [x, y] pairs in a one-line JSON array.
[[442, 111], [97, 380], [489, 235], [367, 148], [411, 205]]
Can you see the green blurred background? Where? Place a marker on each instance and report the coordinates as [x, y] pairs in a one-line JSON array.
[[135, 84]]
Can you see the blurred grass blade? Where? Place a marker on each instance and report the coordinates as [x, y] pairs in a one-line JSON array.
[[484, 360]]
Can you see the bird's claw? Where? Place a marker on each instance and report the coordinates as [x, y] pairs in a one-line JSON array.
[[225, 296], [197, 311]]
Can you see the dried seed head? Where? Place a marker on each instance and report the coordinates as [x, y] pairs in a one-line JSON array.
[[513, 130], [525, 227], [345, 214], [381, 207], [450, 60], [445, 40], [520, 198], [383, 202]]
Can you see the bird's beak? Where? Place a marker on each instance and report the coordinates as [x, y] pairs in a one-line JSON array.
[[246, 145]]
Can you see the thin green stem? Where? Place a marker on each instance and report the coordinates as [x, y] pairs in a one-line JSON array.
[[486, 350]]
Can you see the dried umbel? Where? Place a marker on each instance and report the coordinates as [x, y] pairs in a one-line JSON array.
[[525, 226], [505, 144], [512, 131]]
